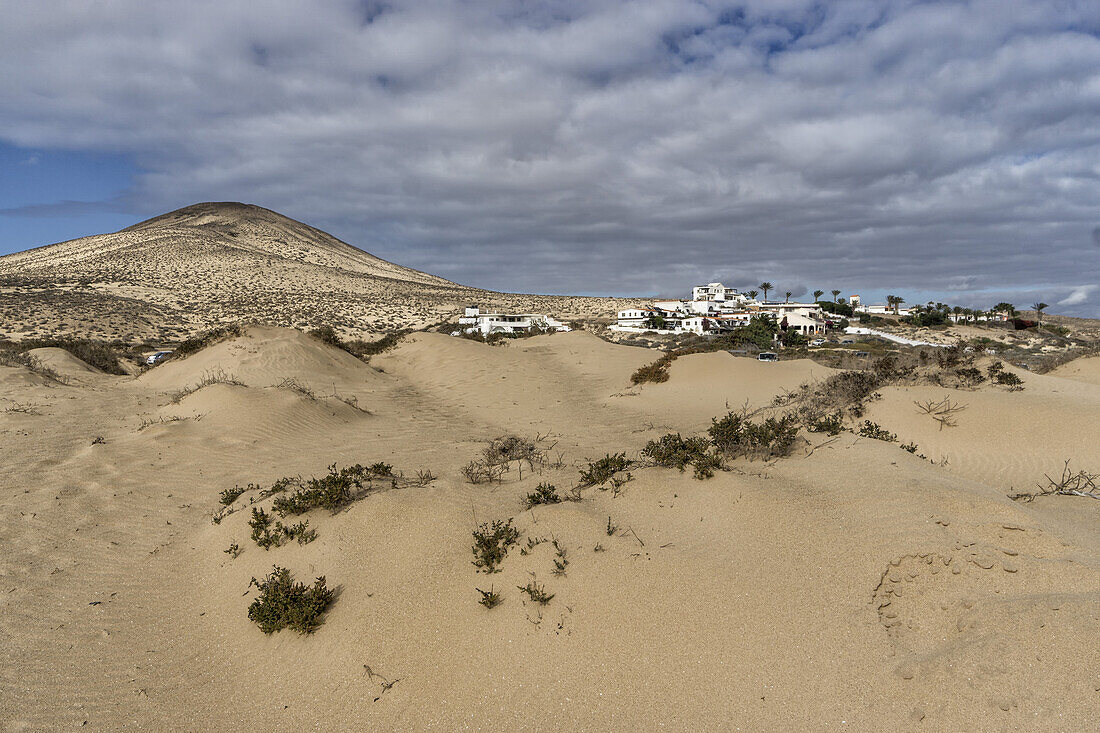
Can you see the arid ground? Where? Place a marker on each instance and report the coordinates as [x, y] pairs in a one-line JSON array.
[[849, 585]]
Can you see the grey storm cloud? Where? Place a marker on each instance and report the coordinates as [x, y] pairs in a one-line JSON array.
[[601, 146]]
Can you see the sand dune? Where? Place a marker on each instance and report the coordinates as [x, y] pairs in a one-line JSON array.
[[1084, 370], [850, 586]]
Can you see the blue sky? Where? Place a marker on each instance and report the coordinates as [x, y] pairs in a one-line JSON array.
[[945, 149]]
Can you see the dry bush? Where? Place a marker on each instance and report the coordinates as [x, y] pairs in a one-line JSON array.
[[1070, 483]]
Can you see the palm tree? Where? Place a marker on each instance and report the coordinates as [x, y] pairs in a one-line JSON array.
[[894, 301], [1039, 308], [818, 294], [1007, 308], [753, 294], [765, 286], [789, 294], [836, 293]]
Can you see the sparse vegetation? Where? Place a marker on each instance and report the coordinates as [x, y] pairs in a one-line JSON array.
[[491, 543], [284, 603], [234, 550]]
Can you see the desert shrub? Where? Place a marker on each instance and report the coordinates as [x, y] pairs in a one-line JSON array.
[[544, 493], [489, 598], [510, 448], [654, 372], [994, 369], [210, 377], [370, 348], [706, 464], [328, 335], [536, 592], [674, 451], [970, 376], [876, 431], [909, 447], [479, 471], [601, 471], [332, 491], [228, 496], [735, 435], [207, 338], [1008, 379], [831, 424], [284, 603], [491, 543], [950, 357], [234, 550]]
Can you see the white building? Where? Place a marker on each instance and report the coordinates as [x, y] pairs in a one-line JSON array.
[[715, 292], [880, 309], [507, 323]]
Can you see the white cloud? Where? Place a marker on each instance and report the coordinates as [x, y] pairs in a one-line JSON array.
[[608, 146], [1079, 295]]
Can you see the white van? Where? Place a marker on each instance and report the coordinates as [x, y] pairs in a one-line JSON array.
[[767, 356]]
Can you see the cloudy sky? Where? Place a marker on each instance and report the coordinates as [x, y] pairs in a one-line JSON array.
[[937, 149]]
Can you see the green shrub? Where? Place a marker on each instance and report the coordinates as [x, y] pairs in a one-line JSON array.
[[544, 493], [970, 376], [601, 471], [491, 543], [876, 431], [706, 464], [332, 491], [283, 603], [1008, 379], [831, 424], [909, 447], [268, 532], [734, 435], [675, 451]]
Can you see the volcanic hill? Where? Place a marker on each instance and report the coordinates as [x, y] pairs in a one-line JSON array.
[[212, 263]]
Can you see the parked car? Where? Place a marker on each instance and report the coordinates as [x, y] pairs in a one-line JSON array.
[[817, 342], [157, 358], [767, 356], [862, 354], [847, 341]]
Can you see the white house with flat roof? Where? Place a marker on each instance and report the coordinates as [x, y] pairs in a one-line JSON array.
[[508, 323]]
